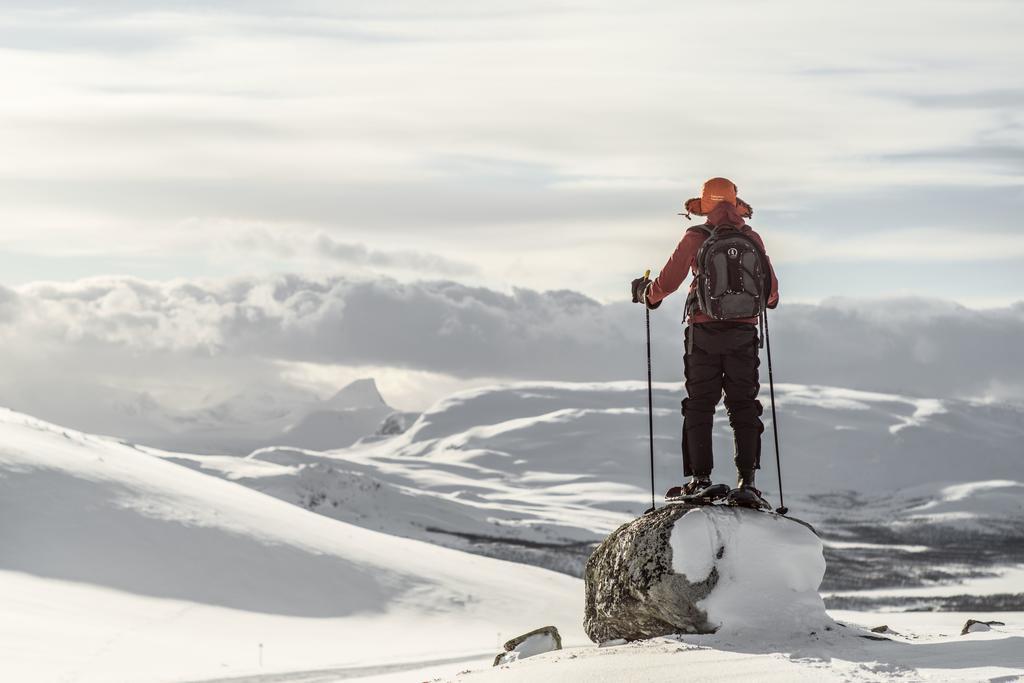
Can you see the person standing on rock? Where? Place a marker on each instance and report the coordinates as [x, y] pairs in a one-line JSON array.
[[733, 282]]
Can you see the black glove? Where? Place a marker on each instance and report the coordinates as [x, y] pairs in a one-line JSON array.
[[639, 287]]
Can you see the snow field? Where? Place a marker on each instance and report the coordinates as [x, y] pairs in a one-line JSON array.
[[118, 566], [538, 471]]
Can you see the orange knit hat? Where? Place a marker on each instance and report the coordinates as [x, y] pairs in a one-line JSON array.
[[715, 191]]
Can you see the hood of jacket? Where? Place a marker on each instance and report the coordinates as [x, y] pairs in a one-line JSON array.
[[725, 213]]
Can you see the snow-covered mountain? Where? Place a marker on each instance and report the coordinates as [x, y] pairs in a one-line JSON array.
[[239, 424], [538, 472], [356, 411], [120, 566]]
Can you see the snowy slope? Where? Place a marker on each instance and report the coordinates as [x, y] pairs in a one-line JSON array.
[[538, 471], [120, 566]]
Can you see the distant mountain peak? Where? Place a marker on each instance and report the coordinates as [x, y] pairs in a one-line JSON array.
[[360, 394]]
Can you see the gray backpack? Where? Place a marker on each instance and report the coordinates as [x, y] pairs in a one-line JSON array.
[[732, 275]]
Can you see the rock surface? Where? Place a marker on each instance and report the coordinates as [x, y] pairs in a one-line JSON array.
[[690, 569], [632, 591]]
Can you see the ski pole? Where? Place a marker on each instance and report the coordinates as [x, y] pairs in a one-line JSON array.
[[782, 509], [650, 390]]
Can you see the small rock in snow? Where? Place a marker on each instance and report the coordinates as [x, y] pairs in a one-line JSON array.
[[975, 626], [536, 642]]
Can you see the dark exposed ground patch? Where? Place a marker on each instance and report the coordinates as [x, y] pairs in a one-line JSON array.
[[944, 555], [1002, 602]]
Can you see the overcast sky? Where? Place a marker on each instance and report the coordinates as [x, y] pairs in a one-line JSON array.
[[498, 145]]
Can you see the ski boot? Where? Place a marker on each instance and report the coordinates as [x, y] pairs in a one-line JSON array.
[[696, 483], [698, 491], [746, 495]]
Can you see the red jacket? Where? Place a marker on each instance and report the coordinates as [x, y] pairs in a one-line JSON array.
[[684, 261]]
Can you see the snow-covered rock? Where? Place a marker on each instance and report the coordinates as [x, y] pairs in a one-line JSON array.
[[884, 630], [394, 424], [686, 569], [975, 626], [536, 642]]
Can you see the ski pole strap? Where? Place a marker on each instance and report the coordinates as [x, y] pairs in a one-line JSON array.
[[689, 309]]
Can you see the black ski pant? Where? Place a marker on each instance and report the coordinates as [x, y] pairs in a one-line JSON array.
[[721, 357]]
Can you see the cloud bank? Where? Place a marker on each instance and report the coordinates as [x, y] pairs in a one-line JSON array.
[[77, 351]]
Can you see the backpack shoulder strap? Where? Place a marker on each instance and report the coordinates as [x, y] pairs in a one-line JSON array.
[[745, 232], [705, 228]]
